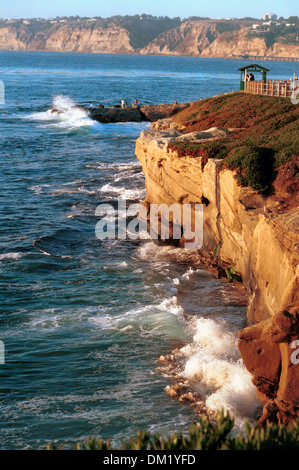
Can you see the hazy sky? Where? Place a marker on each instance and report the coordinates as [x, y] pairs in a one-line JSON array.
[[171, 8]]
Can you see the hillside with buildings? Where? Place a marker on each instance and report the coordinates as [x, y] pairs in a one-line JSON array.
[[146, 34]]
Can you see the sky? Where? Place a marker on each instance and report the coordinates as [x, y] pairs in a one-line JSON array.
[[171, 8]]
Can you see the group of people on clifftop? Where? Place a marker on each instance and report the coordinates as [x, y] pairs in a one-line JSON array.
[[124, 103]]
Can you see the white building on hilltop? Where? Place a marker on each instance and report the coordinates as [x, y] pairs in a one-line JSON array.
[[269, 17]]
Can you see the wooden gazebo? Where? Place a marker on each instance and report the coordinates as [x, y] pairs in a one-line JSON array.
[[252, 68]]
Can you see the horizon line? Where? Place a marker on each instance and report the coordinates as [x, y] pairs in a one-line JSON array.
[[245, 18]]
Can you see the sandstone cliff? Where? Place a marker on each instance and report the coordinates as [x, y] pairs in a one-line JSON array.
[[246, 230], [113, 38], [68, 39], [211, 39], [190, 38], [202, 38]]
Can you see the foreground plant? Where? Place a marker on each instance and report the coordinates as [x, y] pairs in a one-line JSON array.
[[207, 435]]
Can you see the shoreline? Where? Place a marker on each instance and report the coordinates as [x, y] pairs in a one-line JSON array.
[[239, 234], [241, 57]]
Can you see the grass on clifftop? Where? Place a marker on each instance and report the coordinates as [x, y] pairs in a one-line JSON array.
[[265, 134]]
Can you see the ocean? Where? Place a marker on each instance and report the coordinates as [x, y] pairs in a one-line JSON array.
[[97, 333]]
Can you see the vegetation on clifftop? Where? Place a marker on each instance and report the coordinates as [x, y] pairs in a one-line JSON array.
[[265, 134], [206, 435]]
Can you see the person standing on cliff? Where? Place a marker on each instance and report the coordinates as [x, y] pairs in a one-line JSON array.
[[122, 103]]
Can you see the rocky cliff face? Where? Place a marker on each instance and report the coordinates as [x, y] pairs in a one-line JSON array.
[[211, 39], [206, 38], [191, 38], [261, 245], [112, 39], [236, 43]]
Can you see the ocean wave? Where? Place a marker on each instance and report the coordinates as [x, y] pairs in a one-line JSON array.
[[117, 166], [127, 175], [209, 373], [154, 252], [153, 320], [123, 192], [12, 255], [171, 305], [65, 113], [78, 189], [62, 243]]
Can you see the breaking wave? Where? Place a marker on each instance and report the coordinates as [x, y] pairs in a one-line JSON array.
[[65, 113], [207, 370]]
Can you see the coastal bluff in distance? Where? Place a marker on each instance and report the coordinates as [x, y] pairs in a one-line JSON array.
[[238, 156], [148, 35]]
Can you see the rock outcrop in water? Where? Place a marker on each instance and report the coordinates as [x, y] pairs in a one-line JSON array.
[[149, 113], [257, 234]]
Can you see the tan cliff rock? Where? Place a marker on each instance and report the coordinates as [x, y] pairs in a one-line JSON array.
[[199, 38], [263, 246], [188, 39], [10, 41], [113, 38], [206, 39], [236, 43], [284, 50]]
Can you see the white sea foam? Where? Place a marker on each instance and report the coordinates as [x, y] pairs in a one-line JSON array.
[[123, 192], [127, 176], [151, 251], [116, 166], [64, 113], [171, 305], [78, 189], [187, 274], [11, 255], [38, 188], [213, 366], [210, 361]]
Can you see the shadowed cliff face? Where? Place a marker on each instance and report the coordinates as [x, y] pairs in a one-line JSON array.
[[206, 38], [244, 229]]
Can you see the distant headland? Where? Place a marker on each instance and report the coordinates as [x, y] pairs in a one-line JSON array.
[[274, 38]]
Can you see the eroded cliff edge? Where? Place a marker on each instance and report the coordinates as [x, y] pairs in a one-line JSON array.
[[148, 35], [254, 231]]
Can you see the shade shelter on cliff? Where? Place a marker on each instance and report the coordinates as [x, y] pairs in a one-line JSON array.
[[252, 68]]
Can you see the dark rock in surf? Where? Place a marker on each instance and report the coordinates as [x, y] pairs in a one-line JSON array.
[[133, 113], [116, 115], [161, 111]]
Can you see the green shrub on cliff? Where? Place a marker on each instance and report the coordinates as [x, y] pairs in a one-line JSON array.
[[207, 435], [255, 165], [232, 275], [264, 134]]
